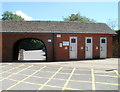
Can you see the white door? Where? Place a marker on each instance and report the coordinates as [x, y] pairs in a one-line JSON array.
[[73, 48], [103, 47], [88, 48]]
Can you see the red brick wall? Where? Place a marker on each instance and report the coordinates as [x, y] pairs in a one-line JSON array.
[[54, 52], [109, 46], [10, 39], [116, 46], [0, 46], [62, 54], [96, 43]]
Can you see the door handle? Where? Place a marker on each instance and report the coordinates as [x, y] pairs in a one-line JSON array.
[[70, 48], [101, 48], [86, 48]]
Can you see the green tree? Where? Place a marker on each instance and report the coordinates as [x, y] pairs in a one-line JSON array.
[[31, 44], [78, 17], [11, 16], [118, 32], [112, 23]]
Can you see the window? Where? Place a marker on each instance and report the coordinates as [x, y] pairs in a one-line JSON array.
[[103, 41], [88, 40], [73, 40]]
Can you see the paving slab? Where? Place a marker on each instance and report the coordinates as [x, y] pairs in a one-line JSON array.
[[25, 86], [5, 68], [62, 76], [0, 75], [7, 83], [6, 74], [17, 77], [3, 64], [43, 74], [0, 78], [22, 67], [103, 72], [79, 85], [27, 72], [51, 88], [82, 77], [64, 70], [87, 74], [55, 82], [49, 69], [79, 71], [0, 85], [35, 67], [8, 66], [36, 80], [0, 69], [14, 65], [106, 87], [15, 70], [106, 79]]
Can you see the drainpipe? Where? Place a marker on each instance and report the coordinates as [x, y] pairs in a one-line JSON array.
[[53, 47]]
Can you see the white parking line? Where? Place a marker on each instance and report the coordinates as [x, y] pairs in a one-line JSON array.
[[12, 68], [93, 82], [93, 79], [50, 78], [25, 78], [116, 72], [68, 79], [5, 65], [16, 73]]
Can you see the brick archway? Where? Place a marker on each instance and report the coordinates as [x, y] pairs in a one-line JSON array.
[[10, 44], [17, 47]]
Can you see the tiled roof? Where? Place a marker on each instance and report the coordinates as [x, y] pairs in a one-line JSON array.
[[55, 27]]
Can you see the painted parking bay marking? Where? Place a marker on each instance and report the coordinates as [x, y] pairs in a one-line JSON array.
[[26, 78], [50, 78]]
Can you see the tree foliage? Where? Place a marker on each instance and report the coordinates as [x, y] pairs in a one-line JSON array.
[[118, 32], [78, 17], [28, 44], [31, 44], [11, 16], [112, 23]]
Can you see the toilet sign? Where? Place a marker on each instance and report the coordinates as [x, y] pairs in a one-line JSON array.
[[65, 43], [49, 40], [60, 45], [58, 35]]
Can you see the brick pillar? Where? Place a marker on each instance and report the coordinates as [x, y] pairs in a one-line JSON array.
[[21, 54]]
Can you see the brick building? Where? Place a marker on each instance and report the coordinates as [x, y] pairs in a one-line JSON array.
[[63, 40]]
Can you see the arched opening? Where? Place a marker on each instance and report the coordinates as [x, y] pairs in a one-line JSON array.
[[30, 49]]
